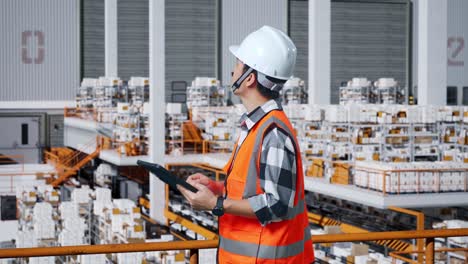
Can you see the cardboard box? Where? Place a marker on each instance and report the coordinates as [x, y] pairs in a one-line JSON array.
[[359, 249], [316, 169], [332, 230], [341, 174]]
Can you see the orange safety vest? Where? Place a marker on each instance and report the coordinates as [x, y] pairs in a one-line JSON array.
[[245, 240]]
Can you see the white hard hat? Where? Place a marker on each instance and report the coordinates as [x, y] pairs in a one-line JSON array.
[[268, 51]]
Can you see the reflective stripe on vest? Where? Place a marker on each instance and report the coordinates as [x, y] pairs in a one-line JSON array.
[[264, 251]]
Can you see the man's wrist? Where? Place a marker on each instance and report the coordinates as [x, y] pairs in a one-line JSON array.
[[216, 187], [212, 202], [218, 210]]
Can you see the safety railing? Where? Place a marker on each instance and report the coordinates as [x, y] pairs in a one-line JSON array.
[[50, 157], [57, 155], [217, 146], [67, 164], [194, 246], [419, 226], [74, 157]]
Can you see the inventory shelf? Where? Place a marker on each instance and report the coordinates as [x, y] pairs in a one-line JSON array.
[[77, 131], [190, 225], [378, 200]]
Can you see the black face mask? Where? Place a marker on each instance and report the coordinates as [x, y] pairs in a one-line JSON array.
[[241, 79]]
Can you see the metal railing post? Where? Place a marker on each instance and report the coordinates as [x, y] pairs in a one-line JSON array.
[[194, 256], [430, 250], [419, 226]]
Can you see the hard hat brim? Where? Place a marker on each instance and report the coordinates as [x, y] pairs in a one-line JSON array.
[[233, 49]]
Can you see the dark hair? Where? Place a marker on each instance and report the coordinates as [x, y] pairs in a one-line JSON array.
[[265, 92]]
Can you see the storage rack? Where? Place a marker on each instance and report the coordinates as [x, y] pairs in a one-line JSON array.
[[175, 132], [425, 138], [218, 126], [106, 93], [294, 92], [127, 130], [357, 91], [367, 141], [138, 91], [391, 134], [205, 91], [396, 143], [361, 91], [144, 130], [389, 92], [84, 95], [85, 98]]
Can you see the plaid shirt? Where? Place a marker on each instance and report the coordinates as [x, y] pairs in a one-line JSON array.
[[277, 167]]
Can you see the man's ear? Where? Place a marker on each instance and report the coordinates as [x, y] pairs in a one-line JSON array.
[[251, 80]]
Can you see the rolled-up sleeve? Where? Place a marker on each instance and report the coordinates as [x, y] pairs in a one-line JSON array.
[[277, 178]]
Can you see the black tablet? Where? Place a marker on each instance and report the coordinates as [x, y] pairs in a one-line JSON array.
[[166, 176]]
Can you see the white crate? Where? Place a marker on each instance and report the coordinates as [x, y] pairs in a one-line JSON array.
[[124, 205], [68, 210], [103, 195], [207, 256], [118, 222], [26, 239], [361, 259], [336, 114], [71, 238], [44, 228], [42, 260], [81, 195], [102, 209], [130, 258], [42, 210], [74, 224], [92, 259]]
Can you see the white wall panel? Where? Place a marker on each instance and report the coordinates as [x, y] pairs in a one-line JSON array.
[[190, 41], [368, 39], [432, 52], [39, 50], [457, 43], [240, 17], [299, 33]]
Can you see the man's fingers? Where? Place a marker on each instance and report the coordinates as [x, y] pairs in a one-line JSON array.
[[196, 176], [192, 177], [201, 187], [205, 181], [194, 182], [184, 192]]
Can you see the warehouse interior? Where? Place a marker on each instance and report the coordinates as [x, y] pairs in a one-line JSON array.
[[378, 102]]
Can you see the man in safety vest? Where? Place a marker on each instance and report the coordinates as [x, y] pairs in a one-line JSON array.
[[261, 205]]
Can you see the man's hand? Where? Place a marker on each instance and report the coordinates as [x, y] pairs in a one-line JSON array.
[[216, 187], [198, 177], [204, 199]]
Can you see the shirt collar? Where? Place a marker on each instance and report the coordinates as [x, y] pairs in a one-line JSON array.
[[248, 120]]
